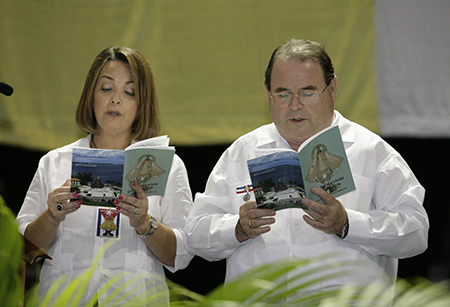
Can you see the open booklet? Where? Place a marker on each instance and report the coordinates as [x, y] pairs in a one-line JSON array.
[[282, 177], [100, 175]]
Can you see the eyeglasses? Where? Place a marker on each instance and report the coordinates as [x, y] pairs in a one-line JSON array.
[[306, 97]]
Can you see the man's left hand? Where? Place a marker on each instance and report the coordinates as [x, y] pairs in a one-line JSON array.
[[328, 217]]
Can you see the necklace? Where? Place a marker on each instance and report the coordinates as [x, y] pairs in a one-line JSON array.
[[93, 142]]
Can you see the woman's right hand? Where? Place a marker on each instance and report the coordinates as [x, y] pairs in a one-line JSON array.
[[59, 203]]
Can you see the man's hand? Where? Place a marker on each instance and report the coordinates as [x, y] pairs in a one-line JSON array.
[[253, 221], [329, 217]]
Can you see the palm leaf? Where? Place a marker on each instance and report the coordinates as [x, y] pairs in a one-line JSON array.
[[263, 286], [70, 293], [274, 284], [269, 284], [11, 249], [421, 293]]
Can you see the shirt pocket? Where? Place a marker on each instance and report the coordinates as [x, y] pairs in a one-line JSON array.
[[360, 199], [140, 274], [240, 193], [139, 262]]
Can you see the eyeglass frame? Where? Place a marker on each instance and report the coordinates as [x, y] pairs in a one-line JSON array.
[[298, 96]]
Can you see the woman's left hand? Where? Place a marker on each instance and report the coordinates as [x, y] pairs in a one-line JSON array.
[[135, 208], [163, 243]]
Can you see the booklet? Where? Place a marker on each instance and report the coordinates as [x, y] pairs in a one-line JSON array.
[[281, 177], [100, 175]]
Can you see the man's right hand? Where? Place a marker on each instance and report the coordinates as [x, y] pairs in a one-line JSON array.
[[253, 221]]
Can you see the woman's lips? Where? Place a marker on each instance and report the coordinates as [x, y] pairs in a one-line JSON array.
[[113, 113]]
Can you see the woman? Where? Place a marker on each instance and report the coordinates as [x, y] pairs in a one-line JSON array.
[[118, 106]]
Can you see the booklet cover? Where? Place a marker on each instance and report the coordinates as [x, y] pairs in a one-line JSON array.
[[100, 175], [281, 178]]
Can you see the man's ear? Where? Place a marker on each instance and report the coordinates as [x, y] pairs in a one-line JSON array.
[[333, 88], [267, 91]]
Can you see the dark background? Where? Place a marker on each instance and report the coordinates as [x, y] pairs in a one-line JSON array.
[[428, 158]]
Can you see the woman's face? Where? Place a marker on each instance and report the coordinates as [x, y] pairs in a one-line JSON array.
[[115, 105]]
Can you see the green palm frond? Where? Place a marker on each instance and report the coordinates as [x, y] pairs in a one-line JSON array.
[[11, 248], [70, 293], [275, 284], [421, 292], [64, 293], [267, 285], [182, 297]]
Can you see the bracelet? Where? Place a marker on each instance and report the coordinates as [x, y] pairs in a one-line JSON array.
[[152, 226]]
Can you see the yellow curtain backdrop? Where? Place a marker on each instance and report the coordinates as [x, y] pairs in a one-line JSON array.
[[208, 58]]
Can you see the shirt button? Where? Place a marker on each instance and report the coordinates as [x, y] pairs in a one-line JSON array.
[[296, 223], [293, 256]]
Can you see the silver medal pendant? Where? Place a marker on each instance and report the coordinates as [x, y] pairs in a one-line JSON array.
[[246, 196]]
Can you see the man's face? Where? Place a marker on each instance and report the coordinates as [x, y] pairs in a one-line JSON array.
[[296, 121]]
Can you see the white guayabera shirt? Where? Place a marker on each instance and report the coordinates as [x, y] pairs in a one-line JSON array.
[[77, 241], [386, 217]]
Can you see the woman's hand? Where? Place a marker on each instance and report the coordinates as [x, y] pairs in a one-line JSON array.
[[42, 230], [135, 208], [59, 203], [163, 243]]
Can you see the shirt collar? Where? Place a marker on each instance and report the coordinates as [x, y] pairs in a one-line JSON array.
[[347, 134], [270, 138]]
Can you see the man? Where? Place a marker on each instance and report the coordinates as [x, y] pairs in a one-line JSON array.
[[370, 228]]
